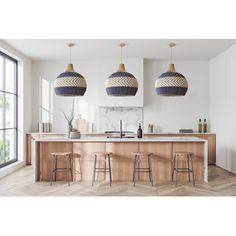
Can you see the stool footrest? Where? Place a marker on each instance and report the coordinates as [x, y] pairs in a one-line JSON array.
[[183, 170], [61, 169]]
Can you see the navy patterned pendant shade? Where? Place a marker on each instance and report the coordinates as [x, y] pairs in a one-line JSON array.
[[171, 83], [121, 83], [70, 83]]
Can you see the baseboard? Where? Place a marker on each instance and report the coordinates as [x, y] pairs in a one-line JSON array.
[[11, 168]]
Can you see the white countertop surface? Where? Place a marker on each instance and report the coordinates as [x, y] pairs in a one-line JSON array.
[[113, 140]]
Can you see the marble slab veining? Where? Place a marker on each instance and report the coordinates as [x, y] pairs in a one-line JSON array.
[[109, 118]]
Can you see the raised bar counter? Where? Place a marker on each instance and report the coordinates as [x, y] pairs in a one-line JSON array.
[[122, 159]]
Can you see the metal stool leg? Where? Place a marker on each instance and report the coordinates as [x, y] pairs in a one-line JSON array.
[[94, 169], [52, 168], [71, 167], [134, 169], [68, 168], [176, 180], [150, 169], [55, 169], [188, 169], [173, 168], [105, 167], [109, 163], [192, 171]]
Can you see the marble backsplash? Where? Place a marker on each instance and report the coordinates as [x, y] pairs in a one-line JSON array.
[[109, 118]]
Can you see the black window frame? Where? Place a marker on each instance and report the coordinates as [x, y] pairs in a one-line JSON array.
[[15, 93]]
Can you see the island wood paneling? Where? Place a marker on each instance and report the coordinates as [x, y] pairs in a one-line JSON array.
[[211, 138], [29, 142], [86, 150], [45, 159], [198, 159], [161, 160], [122, 159]]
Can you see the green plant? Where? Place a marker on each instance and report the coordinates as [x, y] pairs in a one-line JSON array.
[[7, 150]]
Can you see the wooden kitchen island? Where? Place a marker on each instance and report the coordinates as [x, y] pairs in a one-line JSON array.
[[122, 161]]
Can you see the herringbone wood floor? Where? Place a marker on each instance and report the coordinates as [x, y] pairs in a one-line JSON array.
[[20, 183]]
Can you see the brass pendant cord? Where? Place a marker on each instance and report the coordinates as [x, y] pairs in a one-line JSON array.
[[70, 45], [70, 54], [171, 55]]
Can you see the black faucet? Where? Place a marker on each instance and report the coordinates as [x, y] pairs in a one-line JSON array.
[[121, 133]]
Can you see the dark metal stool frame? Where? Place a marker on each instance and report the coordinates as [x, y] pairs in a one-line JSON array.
[[73, 169], [187, 169], [102, 169], [140, 169], [68, 169]]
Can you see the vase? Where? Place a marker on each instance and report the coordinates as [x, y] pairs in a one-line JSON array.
[[69, 129]]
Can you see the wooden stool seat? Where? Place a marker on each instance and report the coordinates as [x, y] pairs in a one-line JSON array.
[[61, 153], [188, 156], [102, 153], [183, 153], [76, 155], [142, 153]]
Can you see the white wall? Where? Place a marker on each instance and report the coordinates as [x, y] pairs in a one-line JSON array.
[[223, 107], [24, 103], [170, 114], [95, 73]]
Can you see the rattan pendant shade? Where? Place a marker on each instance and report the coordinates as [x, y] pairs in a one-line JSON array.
[[70, 83], [171, 83], [121, 83]]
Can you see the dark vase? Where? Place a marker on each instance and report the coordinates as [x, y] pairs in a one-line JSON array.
[[140, 132]]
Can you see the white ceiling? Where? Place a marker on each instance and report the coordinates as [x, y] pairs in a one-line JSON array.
[[186, 49]]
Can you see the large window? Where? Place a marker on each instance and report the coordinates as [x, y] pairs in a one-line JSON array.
[[8, 110], [46, 93]]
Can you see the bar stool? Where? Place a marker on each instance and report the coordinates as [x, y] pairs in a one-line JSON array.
[[68, 168], [188, 156], [139, 169], [107, 157], [76, 156]]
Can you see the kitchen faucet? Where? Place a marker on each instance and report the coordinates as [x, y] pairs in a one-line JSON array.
[[121, 133]]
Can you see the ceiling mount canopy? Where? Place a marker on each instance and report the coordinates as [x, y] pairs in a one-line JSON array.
[[70, 83], [121, 83], [171, 83]]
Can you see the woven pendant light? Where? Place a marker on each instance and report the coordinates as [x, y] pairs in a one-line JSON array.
[[121, 83], [171, 83], [70, 83]]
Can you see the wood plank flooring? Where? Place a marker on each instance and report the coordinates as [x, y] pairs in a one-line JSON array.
[[20, 183]]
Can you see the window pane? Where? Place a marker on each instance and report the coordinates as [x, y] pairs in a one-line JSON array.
[[1, 72], [10, 110], [1, 148], [1, 110], [9, 76], [10, 145]]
